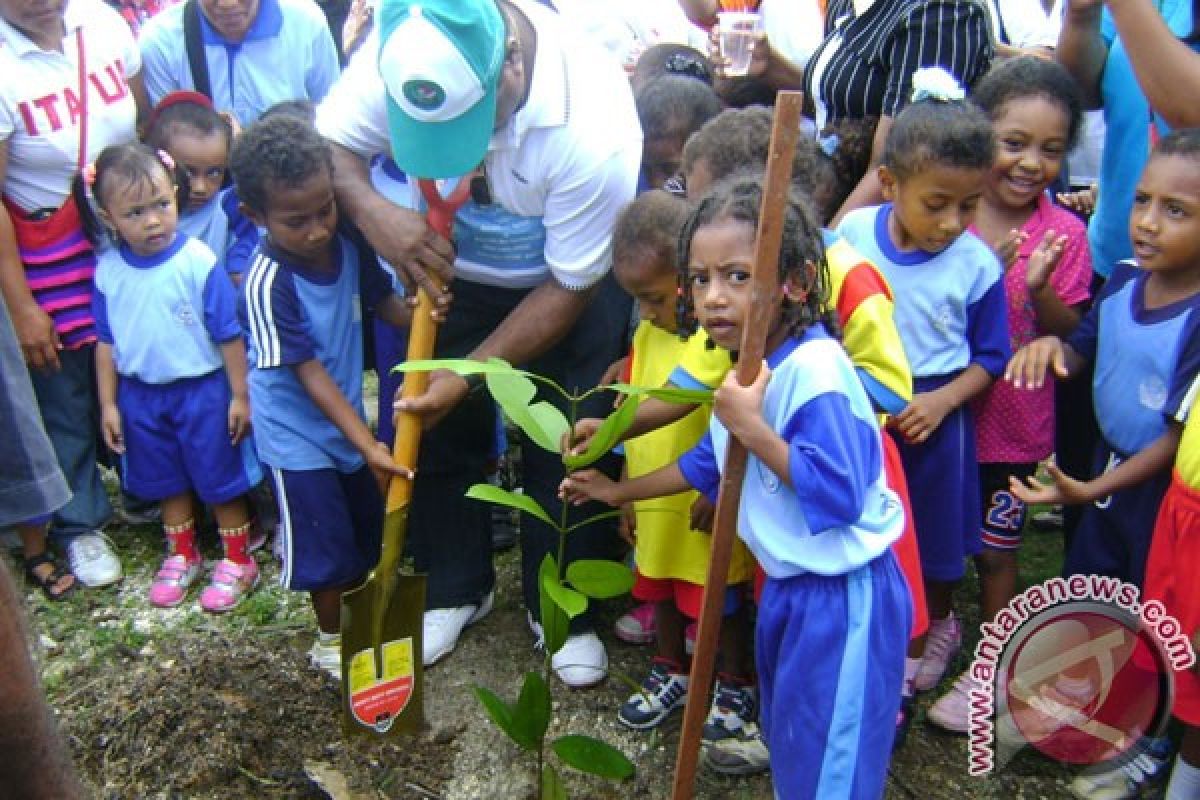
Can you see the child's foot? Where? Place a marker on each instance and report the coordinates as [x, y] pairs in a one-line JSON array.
[[734, 706], [664, 690], [952, 709], [638, 626], [230, 583], [744, 754], [945, 638], [172, 581], [326, 654]]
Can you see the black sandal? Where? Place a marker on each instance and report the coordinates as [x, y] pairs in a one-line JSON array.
[[51, 579]]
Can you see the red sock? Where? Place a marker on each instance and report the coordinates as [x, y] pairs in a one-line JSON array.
[[182, 540], [236, 542]]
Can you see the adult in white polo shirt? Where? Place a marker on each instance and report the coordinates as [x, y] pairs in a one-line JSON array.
[[551, 118], [258, 52]]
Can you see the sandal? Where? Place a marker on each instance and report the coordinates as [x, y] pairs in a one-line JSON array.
[[49, 582], [230, 583]]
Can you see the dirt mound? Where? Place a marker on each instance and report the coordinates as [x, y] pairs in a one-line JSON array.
[[214, 717]]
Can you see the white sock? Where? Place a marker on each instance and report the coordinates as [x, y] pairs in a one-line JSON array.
[[328, 638], [1185, 781], [911, 665]]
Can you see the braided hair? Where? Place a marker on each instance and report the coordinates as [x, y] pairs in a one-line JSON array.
[[801, 253]]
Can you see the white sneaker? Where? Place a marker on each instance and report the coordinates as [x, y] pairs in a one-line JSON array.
[[327, 656], [93, 561], [1127, 781], [443, 626], [581, 661]]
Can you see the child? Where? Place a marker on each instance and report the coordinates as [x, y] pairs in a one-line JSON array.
[[171, 372], [814, 511], [671, 556], [950, 311], [301, 309], [671, 108], [1035, 111], [186, 126], [1142, 337]]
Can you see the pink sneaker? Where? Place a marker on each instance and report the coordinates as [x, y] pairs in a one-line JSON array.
[[952, 709], [230, 583], [172, 581], [942, 644], [638, 626]]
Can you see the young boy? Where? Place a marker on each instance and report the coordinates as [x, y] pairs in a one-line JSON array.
[[1142, 335], [302, 314]]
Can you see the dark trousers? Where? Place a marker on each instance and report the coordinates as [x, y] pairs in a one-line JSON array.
[[449, 535]]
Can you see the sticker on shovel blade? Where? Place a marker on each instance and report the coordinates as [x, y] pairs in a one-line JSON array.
[[374, 702]]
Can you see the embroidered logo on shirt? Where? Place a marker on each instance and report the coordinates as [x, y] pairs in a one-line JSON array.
[[1152, 393], [186, 314], [424, 94]]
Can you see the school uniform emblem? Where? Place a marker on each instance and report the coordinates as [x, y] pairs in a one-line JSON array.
[[424, 94]]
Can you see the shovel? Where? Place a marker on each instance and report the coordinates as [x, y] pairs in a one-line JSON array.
[[382, 618]]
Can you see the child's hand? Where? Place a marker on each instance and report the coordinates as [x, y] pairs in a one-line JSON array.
[[739, 407], [702, 514], [614, 372], [110, 426], [588, 484], [921, 418], [379, 459], [1027, 368], [627, 525], [1043, 260], [239, 419], [576, 441], [1065, 490], [1081, 202], [1008, 248]]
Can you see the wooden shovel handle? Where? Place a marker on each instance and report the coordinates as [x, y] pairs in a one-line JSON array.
[[764, 279]]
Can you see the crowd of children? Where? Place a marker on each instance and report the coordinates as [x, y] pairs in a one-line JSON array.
[[895, 431]]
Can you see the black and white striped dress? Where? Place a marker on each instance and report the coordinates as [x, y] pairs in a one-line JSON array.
[[864, 67]]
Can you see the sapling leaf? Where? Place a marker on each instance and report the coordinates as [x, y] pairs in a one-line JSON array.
[[668, 394], [552, 785], [606, 436], [532, 712], [522, 502], [600, 579], [461, 366], [569, 600], [593, 756], [544, 424], [554, 619], [502, 715]]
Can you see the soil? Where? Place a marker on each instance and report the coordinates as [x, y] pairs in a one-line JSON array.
[[180, 705]]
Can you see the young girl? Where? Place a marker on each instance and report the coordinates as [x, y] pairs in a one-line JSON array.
[[670, 554], [950, 312], [671, 108], [835, 613], [1035, 112], [171, 372], [185, 125]]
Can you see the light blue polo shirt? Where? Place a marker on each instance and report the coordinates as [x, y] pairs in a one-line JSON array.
[[1127, 142], [288, 54]]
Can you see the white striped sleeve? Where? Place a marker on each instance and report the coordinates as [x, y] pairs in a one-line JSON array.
[[953, 34], [275, 317]]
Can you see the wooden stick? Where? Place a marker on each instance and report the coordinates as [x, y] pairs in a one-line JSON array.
[[764, 279]]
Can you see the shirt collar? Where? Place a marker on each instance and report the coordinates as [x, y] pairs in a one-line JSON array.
[[154, 259], [549, 101], [267, 23]]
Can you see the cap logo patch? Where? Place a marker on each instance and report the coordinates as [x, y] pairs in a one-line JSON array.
[[424, 94]]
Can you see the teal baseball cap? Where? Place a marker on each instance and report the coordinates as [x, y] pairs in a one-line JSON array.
[[440, 61]]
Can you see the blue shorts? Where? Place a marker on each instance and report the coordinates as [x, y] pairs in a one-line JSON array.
[[1113, 537], [331, 524], [177, 440], [830, 655], [943, 487], [1003, 511]]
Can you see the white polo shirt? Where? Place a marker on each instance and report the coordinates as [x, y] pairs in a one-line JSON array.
[[40, 104], [559, 171]]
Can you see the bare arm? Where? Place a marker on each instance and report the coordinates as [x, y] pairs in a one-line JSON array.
[[702, 13], [233, 353], [590, 484], [1082, 50], [1167, 69], [400, 235], [927, 410], [106, 390], [34, 328]]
